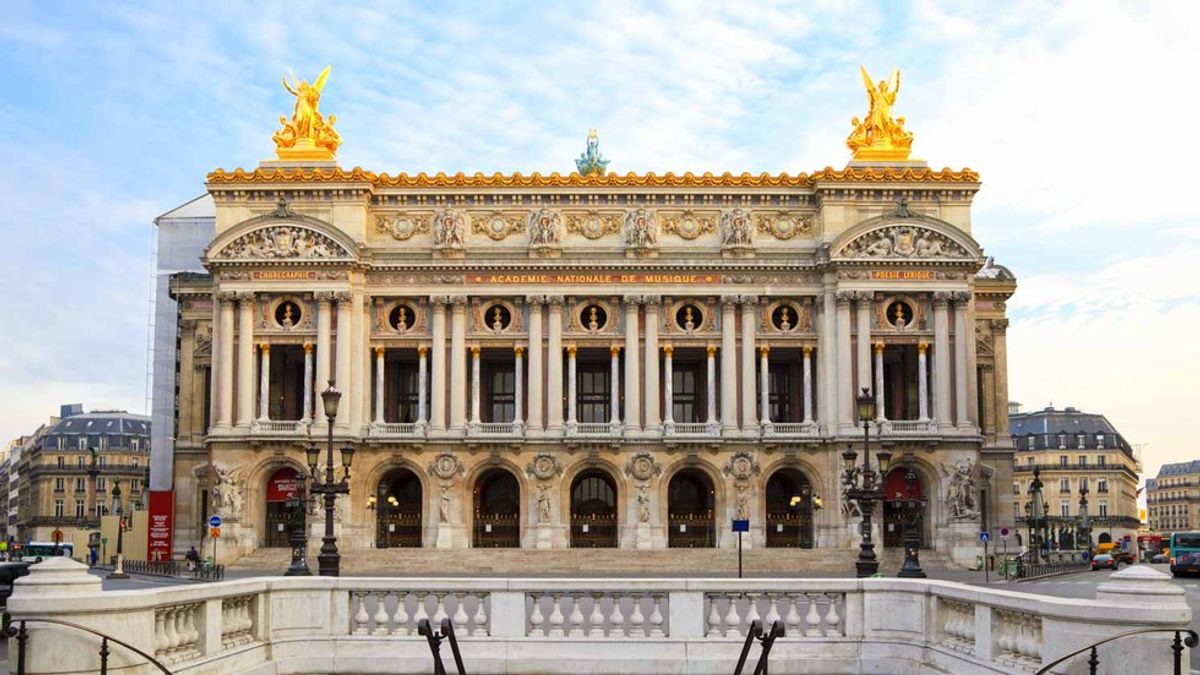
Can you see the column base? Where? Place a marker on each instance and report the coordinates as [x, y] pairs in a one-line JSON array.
[[643, 539]]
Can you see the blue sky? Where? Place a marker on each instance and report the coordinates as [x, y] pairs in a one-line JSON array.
[[1077, 115]]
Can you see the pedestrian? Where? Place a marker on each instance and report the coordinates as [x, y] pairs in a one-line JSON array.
[[93, 555], [192, 557]]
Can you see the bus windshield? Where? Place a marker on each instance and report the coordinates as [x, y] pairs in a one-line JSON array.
[[1187, 540]]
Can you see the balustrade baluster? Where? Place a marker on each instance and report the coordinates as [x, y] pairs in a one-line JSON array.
[[813, 618], [616, 620], [360, 615], [401, 618], [422, 597], [714, 617], [772, 611], [439, 611], [832, 618], [733, 622], [556, 616], [656, 617], [189, 622], [752, 609], [481, 620], [793, 614], [576, 618], [637, 620], [596, 620], [536, 618], [161, 641], [460, 612], [381, 615]]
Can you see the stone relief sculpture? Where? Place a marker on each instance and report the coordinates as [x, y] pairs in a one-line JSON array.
[[743, 499], [283, 241], [904, 241], [736, 230], [544, 467], [402, 226], [227, 493], [444, 504], [961, 501], [643, 504], [543, 504], [850, 509], [449, 231], [545, 229], [641, 230]]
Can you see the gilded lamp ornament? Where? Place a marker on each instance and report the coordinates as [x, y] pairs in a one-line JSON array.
[[880, 137], [308, 135]]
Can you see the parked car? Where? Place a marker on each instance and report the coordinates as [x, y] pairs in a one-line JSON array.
[[1160, 558], [1123, 557], [1105, 561]]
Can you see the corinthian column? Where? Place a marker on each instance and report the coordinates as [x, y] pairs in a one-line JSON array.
[[728, 367], [379, 383], [614, 422], [475, 388], [749, 306], [668, 390], [880, 413], [264, 382], [572, 415], [962, 337], [225, 362], [518, 388], [554, 366], [345, 341], [307, 386], [536, 375], [863, 305], [922, 382], [437, 388], [845, 378], [941, 360], [422, 380], [808, 385], [1000, 349], [324, 348], [245, 364], [633, 380], [652, 417], [712, 423], [764, 384], [458, 364]]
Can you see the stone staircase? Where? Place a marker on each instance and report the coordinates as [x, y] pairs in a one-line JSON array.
[[591, 562]]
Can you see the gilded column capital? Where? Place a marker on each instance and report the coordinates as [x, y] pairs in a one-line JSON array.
[[764, 349], [422, 349], [808, 350], [922, 347], [879, 347], [475, 350], [518, 349], [265, 347], [999, 325], [710, 350], [308, 347], [379, 350], [668, 349], [571, 349], [614, 349]]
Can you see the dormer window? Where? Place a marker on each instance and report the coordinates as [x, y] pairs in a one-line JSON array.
[[1079, 439], [1100, 441], [1062, 440], [1032, 442]]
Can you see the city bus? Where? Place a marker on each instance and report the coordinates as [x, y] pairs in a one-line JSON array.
[[38, 550], [1185, 553]]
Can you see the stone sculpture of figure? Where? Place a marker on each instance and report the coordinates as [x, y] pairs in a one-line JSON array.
[[850, 509], [228, 494], [928, 247], [448, 231], [444, 505], [735, 229], [544, 228], [641, 232], [643, 502], [591, 162], [743, 499], [543, 504], [960, 493]]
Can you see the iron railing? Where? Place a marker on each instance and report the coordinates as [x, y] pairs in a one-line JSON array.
[[1030, 568], [767, 640], [175, 568], [1093, 662], [22, 637], [435, 645]]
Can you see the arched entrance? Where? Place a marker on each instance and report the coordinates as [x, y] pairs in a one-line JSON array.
[[903, 494], [284, 501], [497, 502], [690, 503], [398, 505], [593, 510], [789, 510], [1104, 538]]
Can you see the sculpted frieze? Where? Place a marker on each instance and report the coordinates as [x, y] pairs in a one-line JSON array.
[[593, 224], [402, 226], [784, 225], [497, 225], [545, 229], [688, 224], [641, 230], [904, 241], [282, 241]]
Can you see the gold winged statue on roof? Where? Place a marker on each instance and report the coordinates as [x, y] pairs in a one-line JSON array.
[[880, 136], [308, 135]]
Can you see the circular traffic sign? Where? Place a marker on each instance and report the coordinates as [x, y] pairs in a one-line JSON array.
[[1004, 532], [215, 521]]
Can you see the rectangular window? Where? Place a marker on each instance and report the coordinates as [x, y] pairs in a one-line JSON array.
[[1100, 441], [82, 442], [102, 461], [406, 391], [62, 443], [1062, 460], [103, 442], [79, 485], [1080, 441], [79, 508], [1082, 461], [1064, 485], [58, 508], [1101, 461], [1083, 482], [136, 462], [1032, 442], [1016, 488], [101, 484], [1103, 509], [779, 388], [58, 485], [1062, 440], [689, 402], [501, 392], [593, 391], [1102, 485], [134, 443], [1064, 509], [101, 510], [79, 462], [61, 462]]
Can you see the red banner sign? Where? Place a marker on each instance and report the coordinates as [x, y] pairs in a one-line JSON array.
[[161, 526], [283, 485]]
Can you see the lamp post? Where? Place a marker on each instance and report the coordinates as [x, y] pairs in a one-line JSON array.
[[329, 560], [1037, 515], [913, 507], [870, 489], [1085, 524], [118, 571], [297, 537]]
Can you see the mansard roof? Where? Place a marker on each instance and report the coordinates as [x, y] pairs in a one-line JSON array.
[[1179, 468]]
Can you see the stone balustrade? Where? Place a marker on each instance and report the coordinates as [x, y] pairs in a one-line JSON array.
[[368, 625]]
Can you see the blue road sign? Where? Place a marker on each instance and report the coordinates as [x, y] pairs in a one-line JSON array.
[[985, 537], [215, 521], [741, 525]]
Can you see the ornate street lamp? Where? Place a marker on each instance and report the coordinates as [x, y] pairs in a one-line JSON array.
[[1084, 540], [913, 507], [118, 571], [298, 537], [870, 490], [329, 560]]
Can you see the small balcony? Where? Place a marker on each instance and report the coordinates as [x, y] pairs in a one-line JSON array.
[[790, 430], [593, 430], [496, 430], [396, 430]]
